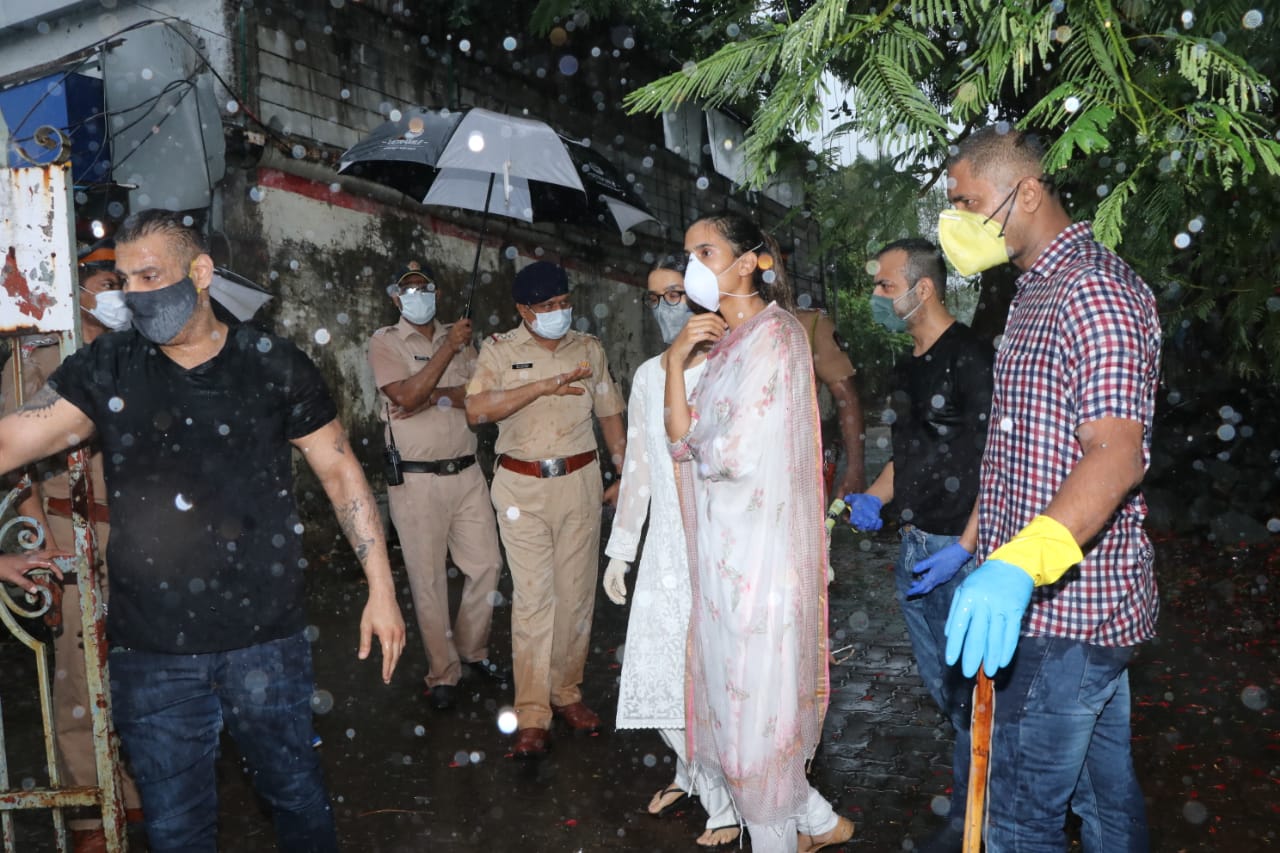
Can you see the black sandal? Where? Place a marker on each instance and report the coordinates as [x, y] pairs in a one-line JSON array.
[[737, 828], [662, 795]]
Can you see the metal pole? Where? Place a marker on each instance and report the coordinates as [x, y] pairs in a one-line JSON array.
[[475, 265]]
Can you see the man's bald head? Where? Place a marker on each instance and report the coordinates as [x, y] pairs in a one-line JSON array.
[[1001, 154]]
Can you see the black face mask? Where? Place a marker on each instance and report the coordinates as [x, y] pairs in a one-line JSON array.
[[159, 315]]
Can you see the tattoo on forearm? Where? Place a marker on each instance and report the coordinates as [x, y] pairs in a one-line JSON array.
[[41, 402], [340, 443], [350, 519]]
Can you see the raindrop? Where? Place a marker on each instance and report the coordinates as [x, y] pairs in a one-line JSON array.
[[1182, 240], [509, 43], [322, 703], [689, 67], [264, 344], [196, 585], [322, 336], [299, 45], [649, 760], [507, 721], [1006, 424], [940, 806], [311, 632], [1254, 697], [1071, 104], [351, 734], [1103, 190], [255, 194], [182, 503], [298, 152], [1251, 20], [732, 31], [702, 183], [146, 74], [337, 4], [1196, 225], [951, 484], [224, 429], [344, 94], [1188, 20], [419, 730], [513, 512], [475, 141], [461, 757], [859, 620], [343, 318], [1194, 811], [568, 65], [476, 756], [115, 404], [1226, 432], [232, 107], [464, 45]]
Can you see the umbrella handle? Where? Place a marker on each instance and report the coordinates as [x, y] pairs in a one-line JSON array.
[[475, 264], [975, 811]]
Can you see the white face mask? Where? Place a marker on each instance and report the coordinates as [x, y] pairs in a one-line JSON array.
[[552, 325], [418, 306], [703, 286], [109, 310]]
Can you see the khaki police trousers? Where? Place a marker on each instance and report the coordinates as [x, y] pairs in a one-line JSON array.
[[551, 529], [72, 720], [435, 513]]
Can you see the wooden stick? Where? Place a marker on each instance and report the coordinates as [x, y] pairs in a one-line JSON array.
[[975, 811]]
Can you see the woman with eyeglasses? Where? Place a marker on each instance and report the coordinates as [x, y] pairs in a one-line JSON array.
[[651, 695], [748, 451]]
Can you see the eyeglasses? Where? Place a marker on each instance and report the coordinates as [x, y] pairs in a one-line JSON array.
[[671, 297], [417, 287]]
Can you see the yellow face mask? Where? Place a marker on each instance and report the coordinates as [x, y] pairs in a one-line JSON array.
[[973, 242]]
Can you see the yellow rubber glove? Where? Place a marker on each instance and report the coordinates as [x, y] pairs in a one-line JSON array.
[[1044, 549]]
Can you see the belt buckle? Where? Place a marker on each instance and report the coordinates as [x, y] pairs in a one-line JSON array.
[[557, 467]]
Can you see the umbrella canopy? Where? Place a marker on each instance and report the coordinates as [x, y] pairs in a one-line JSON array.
[[237, 294], [495, 164]]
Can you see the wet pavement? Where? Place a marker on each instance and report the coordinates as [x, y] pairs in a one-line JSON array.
[[406, 778]]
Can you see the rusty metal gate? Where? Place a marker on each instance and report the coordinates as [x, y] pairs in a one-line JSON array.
[[38, 295]]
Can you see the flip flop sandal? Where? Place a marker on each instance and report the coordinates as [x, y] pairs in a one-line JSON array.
[[665, 805], [721, 845]]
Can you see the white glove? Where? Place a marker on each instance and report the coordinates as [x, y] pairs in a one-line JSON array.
[[615, 583]]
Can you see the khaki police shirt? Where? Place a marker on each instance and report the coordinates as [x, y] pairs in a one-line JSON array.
[[830, 363], [551, 425], [436, 431], [40, 357]]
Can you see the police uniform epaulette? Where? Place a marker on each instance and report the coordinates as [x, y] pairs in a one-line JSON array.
[[383, 330], [502, 336]]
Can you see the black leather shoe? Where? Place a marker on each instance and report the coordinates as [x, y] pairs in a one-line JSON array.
[[491, 670], [443, 696]]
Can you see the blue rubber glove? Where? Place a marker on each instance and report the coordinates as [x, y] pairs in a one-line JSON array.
[[864, 511], [986, 616], [936, 570]]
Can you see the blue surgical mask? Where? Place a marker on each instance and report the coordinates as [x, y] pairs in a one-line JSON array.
[[159, 315], [418, 306], [671, 318], [883, 310], [552, 325]]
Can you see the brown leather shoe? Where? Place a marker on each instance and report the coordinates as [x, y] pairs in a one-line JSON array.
[[530, 743], [579, 717], [88, 841], [838, 834]]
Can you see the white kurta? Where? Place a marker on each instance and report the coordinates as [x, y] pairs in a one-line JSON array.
[[652, 690]]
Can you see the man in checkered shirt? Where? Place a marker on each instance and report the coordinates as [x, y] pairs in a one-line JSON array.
[[1066, 579]]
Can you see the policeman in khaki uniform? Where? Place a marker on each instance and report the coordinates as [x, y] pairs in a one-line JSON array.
[[541, 383], [832, 367], [102, 310], [421, 367]]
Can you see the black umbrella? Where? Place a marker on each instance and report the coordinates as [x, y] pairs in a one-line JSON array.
[[506, 165]]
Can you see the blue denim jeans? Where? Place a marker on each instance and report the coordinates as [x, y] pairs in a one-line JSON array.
[[169, 710], [926, 618], [1061, 740]]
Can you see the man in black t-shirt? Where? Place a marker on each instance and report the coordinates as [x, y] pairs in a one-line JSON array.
[[938, 409], [197, 422]]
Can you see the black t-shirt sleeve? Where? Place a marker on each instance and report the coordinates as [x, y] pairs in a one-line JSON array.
[[310, 404], [78, 381]]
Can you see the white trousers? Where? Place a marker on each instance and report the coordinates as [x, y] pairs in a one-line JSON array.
[[816, 818], [715, 797]]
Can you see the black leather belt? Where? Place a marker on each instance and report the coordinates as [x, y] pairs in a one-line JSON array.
[[440, 466]]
